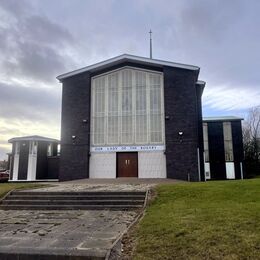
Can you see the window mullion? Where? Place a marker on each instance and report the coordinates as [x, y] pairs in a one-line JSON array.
[[148, 85], [119, 107], [162, 109], [106, 111], [134, 106]]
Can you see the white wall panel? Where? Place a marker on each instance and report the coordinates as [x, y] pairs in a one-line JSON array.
[[102, 165], [151, 165], [207, 170], [241, 170], [16, 167], [230, 170], [32, 163]]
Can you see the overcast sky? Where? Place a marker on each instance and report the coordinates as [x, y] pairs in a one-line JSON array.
[[42, 39]]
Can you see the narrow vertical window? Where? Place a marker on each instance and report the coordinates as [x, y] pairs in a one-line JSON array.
[[112, 119], [141, 108], [58, 149], [228, 143], [206, 141], [49, 150], [127, 108], [99, 111], [155, 109], [17, 148]]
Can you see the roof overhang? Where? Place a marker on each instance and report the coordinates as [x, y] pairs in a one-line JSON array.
[[126, 58], [222, 118], [33, 138], [201, 82]]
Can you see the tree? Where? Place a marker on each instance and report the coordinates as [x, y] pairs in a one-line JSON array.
[[251, 137], [3, 165]]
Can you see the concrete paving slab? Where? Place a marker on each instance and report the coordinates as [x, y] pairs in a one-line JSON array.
[[118, 184], [96, 243], [68, 233]]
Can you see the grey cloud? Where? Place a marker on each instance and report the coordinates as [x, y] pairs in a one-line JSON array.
[[29, 103], [16, 7], [43, 31], [33, 46], [10, 131], [27, 111], [223, 38], [36, 62]]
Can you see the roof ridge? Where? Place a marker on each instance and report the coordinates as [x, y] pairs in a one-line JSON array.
[[117, 59]]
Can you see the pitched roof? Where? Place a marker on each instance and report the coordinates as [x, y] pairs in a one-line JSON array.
[[124, 58], [33, 138], [222, 118]]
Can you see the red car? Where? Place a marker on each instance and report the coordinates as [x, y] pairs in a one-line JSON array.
[[4, 176]]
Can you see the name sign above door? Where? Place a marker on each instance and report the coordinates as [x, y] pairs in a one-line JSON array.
[[131, 148]]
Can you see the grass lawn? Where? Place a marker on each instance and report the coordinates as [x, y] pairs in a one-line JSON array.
[[5, 187], [213, 220]]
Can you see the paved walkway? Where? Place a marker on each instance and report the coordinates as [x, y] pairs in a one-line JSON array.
[[82, 233], [89, 233], [119, 184]]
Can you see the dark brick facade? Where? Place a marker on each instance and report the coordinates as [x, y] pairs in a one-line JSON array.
[[199, 90], [238, 148], [53, 167], [42, 165], [217, 150], [74, 157], [42, 168], [182, 105], [182, 111], [23, 160]]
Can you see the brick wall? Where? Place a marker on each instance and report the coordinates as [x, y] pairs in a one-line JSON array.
[[182, 112], [181, 105], [23, 160], [74, 157]]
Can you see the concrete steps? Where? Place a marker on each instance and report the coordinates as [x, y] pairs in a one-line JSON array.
[[26, 200], [75, 197], [93, 193]]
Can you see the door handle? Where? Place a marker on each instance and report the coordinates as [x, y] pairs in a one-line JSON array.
[[127, 162]]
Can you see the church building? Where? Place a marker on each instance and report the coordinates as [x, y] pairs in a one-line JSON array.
[[132, 116]]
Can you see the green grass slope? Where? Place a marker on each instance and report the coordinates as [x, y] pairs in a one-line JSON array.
[[213, 220], [5, 187]]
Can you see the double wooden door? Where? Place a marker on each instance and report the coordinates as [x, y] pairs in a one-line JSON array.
[[127, 164]]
